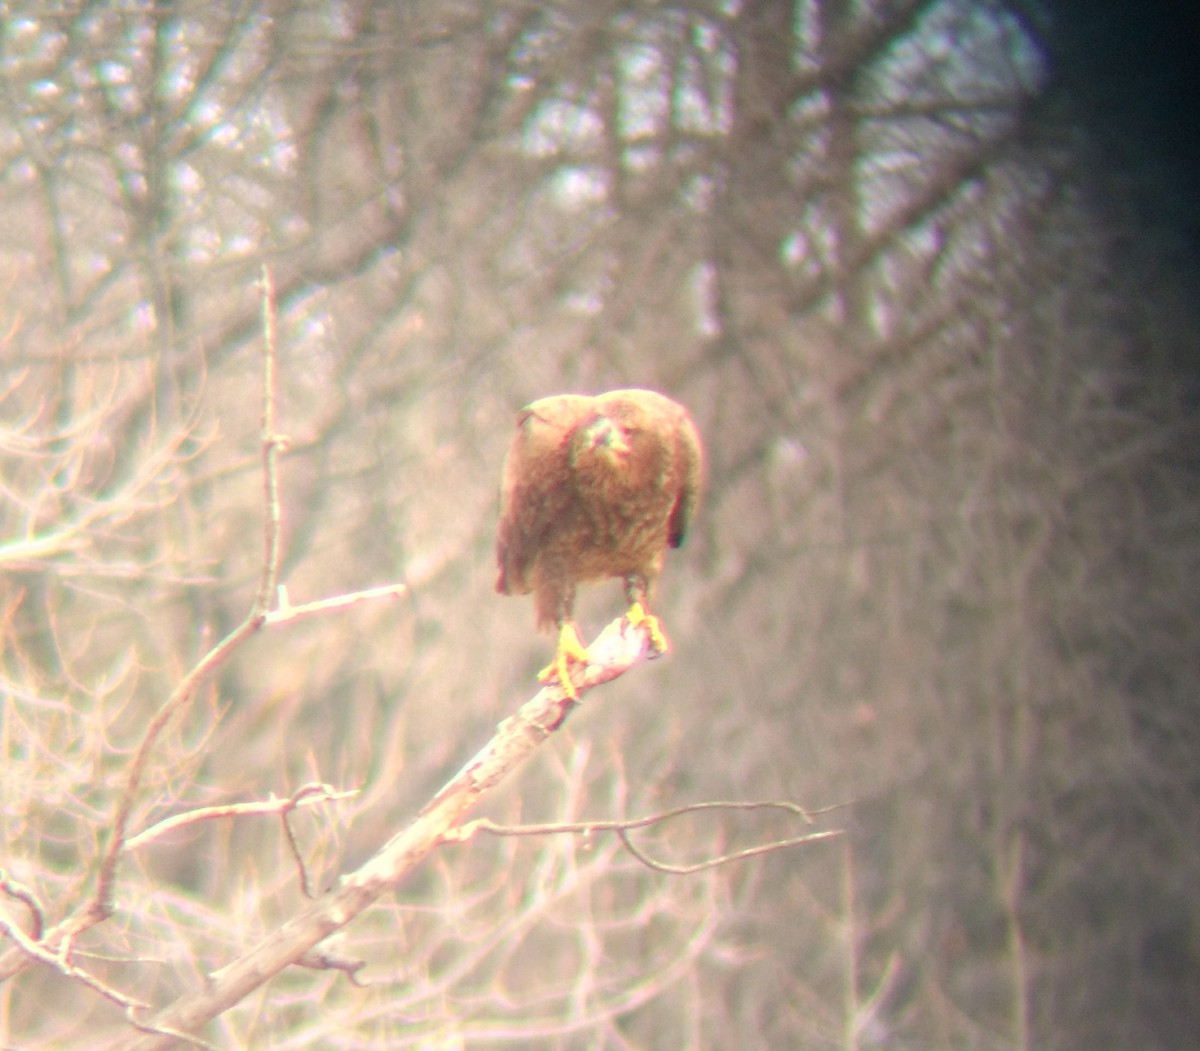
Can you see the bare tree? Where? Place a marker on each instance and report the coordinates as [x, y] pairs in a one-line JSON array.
[[944, 572]]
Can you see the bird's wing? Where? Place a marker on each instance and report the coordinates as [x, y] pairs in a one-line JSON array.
[[534, 486], [689, 459]]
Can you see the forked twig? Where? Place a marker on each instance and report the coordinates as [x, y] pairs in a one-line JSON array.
[[622, 828], [58, 940], [305, 796], [616, 650], [100, 907]]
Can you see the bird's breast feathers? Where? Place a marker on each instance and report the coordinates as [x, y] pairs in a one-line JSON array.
[[594, 488]]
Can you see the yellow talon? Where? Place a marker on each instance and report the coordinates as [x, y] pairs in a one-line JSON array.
[[569, 649], [637, 617]]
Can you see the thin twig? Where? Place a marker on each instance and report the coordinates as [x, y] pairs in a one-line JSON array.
[[60, 938], [16, 889], [100, 905], [58, 962], [623, 828], [616, 650], [615, 825], [724, 859], [272, 444], [285, 611], [328, 961], [306, 796]]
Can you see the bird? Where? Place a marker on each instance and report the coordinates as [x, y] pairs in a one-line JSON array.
[[595, 487]]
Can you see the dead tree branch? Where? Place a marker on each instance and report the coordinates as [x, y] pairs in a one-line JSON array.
[[58, 940], [305, 796], [616, 650], [622, 830]]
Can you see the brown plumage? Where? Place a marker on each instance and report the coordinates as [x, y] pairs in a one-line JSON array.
[[594, 487]]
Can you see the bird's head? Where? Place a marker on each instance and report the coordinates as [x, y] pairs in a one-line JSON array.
[[604, 437]]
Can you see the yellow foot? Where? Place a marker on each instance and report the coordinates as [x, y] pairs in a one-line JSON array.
[[638, 616], [559, 670]]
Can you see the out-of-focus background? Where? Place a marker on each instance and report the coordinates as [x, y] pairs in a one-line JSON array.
[[925, 272]]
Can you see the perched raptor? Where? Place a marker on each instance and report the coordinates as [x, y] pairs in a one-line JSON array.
[[594, 487]]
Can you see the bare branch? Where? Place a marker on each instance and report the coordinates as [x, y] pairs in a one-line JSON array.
[[306, 796], [72, 534], [327, 961], [60, 938], [15, 889], [272, 444], [185, 691], [285, 611], [588, 827], [59, 962], [100, 906], [616, 649], [724, 859], [623, 828]]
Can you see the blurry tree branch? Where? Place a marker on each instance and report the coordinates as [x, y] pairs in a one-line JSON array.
[[18, 891], [63, 456], [903, 262], [35, 950], [304, 796], [616, 649], [623, 828], [57, 942], [100, 907], [284, 611]]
